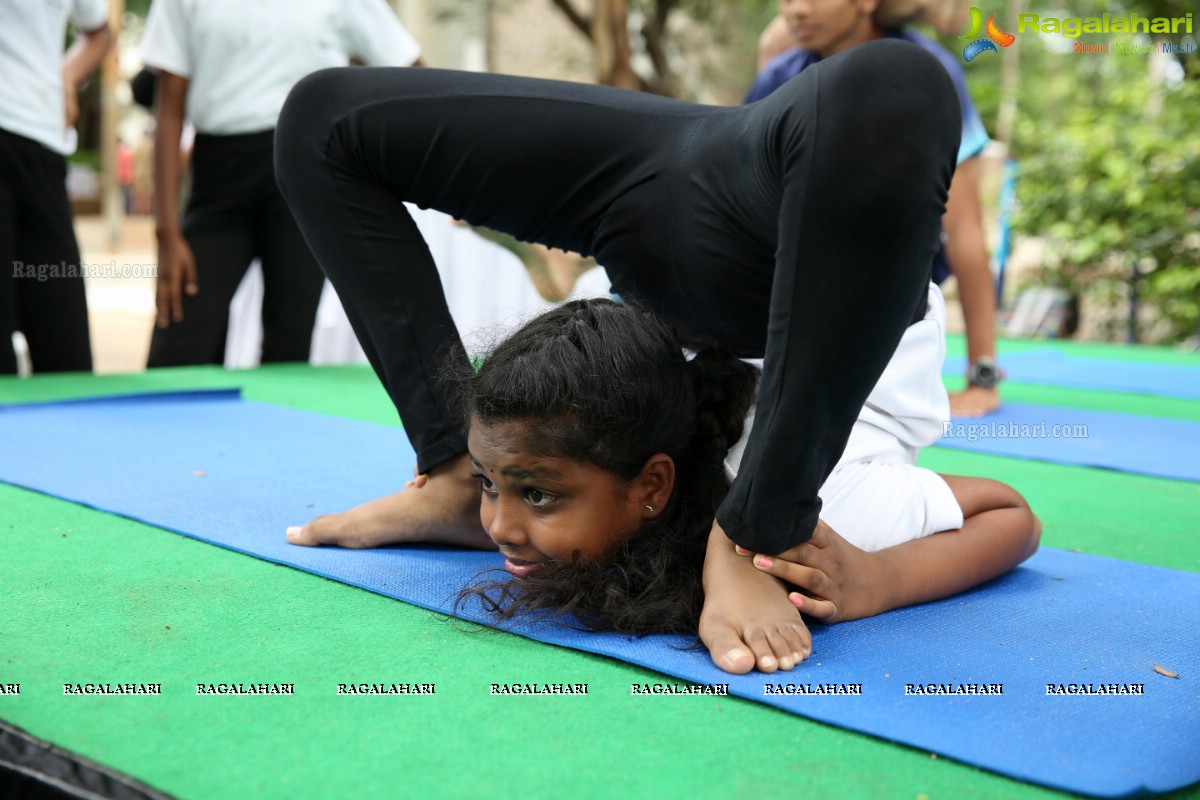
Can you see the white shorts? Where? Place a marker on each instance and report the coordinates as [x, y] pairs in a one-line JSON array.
[[876, 496], [877, 504]]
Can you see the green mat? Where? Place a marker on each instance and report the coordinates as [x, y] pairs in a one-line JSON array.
[[95, 598]]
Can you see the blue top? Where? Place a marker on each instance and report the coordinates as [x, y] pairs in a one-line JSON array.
[[788, 65]]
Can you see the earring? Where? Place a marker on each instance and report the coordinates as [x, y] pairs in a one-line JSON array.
[[650, 509]]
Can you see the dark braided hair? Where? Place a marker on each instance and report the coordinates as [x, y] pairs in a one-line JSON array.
[[602, 383]]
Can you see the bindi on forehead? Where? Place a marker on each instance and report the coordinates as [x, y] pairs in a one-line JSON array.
[[506, 447]]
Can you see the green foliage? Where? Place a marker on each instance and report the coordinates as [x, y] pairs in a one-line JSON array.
[[139, 7], [1109, 160]]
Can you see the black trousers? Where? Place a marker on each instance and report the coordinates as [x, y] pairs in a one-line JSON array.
[[41, 285], [800, 228], [235, 213]]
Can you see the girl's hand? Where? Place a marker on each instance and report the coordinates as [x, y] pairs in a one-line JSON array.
[[841, 582]]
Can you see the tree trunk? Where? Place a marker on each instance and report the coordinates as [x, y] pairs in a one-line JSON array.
[[610, 37]]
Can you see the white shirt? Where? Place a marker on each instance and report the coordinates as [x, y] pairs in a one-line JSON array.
[[31, 60], [242, 57]]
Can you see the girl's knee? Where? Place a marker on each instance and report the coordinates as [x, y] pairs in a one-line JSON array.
[[306, 121], [900, 87], [313, 95]]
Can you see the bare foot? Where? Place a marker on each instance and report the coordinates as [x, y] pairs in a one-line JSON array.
[[442, 507], [843, 581], [747, 620]]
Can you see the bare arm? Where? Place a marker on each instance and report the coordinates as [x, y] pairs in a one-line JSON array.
[[998, 533], [81, 61], [775, 39], [966, 252], [553, 272], [176, 266]]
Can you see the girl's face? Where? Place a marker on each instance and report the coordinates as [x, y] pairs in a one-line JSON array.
[[539, 508]]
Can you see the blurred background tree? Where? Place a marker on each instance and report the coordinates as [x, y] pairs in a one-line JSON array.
[[1108, 152], [678, 48]]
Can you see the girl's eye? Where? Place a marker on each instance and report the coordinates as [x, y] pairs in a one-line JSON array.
[[538, 499], [487, 485]]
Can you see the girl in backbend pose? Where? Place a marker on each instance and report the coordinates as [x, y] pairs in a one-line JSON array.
[[799, 229], [602, 455]]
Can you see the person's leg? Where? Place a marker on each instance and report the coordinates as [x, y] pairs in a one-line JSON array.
[[292, 282], [538, 160], [8, 274], [747, 621], [222, 257], [51, 311], [875, 498], [219, 228], [866, 148]]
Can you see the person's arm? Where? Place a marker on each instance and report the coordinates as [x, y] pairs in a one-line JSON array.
[[80, 61], [553, 272], [966, 253], [775, 39], [372, 32], [176, 265], [840, 301], [999, 532]]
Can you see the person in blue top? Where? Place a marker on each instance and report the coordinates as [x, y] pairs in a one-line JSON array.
[[820, 28]]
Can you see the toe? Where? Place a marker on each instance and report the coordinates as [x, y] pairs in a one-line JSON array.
[[803, 638], [795, 645], [322, 530], [729, 652], [301, 535], [764, 654], [783, 649]]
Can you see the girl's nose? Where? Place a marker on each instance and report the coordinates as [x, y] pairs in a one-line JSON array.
[[506, 528]]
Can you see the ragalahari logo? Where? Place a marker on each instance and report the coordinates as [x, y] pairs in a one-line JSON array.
[[978, 45]]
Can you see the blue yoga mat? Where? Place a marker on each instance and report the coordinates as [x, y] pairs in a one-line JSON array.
[[1054, 368], [238, 473], [1164, 448]]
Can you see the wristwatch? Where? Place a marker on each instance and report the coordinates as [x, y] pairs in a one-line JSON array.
[[984, 373]]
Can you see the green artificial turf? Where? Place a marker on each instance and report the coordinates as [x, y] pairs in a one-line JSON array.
[[96, 598], [956, 345]]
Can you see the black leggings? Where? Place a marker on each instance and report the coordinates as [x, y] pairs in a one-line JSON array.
[[800, 228], [236, 213]]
